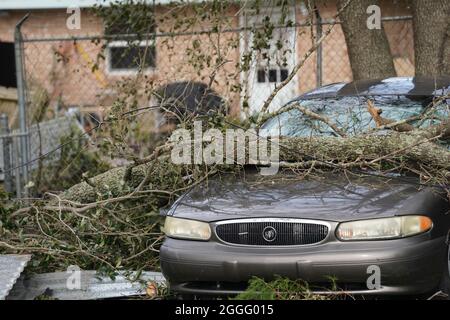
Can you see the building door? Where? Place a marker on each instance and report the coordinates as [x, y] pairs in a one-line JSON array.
[[270, 63]]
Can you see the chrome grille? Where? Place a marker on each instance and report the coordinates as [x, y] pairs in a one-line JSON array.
[[288, 232]]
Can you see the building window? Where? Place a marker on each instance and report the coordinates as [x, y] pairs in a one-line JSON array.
[[130, 56], [272, 75], [131, 46]]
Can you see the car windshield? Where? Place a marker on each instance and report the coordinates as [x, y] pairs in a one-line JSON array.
[[350, 114]]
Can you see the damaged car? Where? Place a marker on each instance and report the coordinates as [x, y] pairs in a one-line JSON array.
[[340, 225]]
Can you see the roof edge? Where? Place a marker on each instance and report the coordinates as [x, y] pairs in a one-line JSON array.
[[64, 4]]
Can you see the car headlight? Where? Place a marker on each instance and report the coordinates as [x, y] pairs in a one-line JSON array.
[[186, 229], [384, 228]]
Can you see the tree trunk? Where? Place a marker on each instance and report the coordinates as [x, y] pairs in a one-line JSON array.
[[445, 58], [368, 49], [431, 22]]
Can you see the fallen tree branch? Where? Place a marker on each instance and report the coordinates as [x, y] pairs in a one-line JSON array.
[[115, 214], [402, 126], [309, 113], [442, 130], [414, 147]]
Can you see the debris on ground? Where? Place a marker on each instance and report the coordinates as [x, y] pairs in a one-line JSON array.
[[11, 267], [84, 285]]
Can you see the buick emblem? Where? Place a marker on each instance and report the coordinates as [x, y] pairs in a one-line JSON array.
[[269, 234]]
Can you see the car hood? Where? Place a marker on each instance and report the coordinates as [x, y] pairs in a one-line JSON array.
[[331, 197]]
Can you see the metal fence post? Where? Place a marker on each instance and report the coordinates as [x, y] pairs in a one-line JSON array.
[[319, 49], [4, 131], [21, 93]]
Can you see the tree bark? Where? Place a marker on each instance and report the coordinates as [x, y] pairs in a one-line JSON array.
[[160, 174], [368, 49], [431, 22], [445, 59], [411, 148]]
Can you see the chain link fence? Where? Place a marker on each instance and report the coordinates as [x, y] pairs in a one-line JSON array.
[[87, 71], [45, 140]]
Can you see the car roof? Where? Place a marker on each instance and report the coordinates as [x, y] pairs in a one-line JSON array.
[[408, 86]]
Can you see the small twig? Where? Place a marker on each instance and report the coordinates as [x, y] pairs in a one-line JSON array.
[[307, 112]]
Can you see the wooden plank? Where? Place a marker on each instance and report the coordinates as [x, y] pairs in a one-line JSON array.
[[8, 94]]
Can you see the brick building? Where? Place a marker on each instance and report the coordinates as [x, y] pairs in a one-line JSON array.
[[65, 63]]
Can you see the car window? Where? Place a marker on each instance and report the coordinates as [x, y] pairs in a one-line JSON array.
[[350, 114]]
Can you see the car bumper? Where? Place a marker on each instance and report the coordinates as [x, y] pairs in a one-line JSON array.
[[407, 266]]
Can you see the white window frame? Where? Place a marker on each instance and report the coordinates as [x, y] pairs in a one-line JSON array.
[[125, 44]]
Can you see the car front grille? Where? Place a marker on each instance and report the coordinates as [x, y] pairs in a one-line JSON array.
[[276, 232]]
